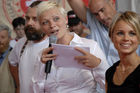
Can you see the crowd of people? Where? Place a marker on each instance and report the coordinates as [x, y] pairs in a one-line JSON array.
[[113, 59]]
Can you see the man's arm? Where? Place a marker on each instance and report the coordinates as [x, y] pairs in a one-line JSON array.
[[79, 8], [14, 72]]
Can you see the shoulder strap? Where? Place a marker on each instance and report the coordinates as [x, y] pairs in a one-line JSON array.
[[22, 50]]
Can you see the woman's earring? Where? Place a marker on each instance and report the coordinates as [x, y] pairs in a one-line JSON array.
[[67, 26]]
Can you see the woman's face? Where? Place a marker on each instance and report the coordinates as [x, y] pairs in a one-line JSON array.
[[125, 38], [53, 22]]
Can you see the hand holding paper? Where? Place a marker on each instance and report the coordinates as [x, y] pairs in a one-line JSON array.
[[66, 56], [87, 59]]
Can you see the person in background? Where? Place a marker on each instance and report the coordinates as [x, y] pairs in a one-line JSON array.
[[6, 79], [53, 20], [124, 75], [75, 24], [18, 26], [98, 16], [25, 53]]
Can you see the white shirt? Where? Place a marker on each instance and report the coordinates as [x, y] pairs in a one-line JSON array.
[[26, 61], [13, 43], [71, 80]]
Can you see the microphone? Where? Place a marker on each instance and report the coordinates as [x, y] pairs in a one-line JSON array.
[[52, 39]]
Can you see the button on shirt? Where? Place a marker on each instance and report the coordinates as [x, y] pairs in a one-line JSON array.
[[71, 80]]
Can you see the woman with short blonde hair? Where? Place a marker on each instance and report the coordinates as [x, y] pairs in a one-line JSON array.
[[67, 79]]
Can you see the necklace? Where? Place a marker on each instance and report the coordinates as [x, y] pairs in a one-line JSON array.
[[123, 69], [121, 74]]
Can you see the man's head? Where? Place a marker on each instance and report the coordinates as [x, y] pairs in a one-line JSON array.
[[74, 23], [4, 38], [32, 27], [18, 26], [104, 10]]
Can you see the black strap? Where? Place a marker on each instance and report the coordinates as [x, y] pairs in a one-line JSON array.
[[22, 50]]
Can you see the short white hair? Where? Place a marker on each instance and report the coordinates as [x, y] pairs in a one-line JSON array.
[[46, 5]]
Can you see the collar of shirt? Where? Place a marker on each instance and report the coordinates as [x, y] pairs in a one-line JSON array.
[[76, 39], [4, 55]]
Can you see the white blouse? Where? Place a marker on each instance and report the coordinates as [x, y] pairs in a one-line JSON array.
[[71, 80]]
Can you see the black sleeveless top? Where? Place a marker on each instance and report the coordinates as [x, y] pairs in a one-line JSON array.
[[130, 85]]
